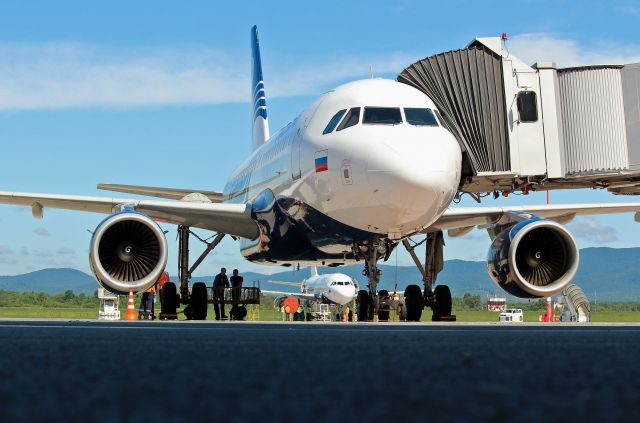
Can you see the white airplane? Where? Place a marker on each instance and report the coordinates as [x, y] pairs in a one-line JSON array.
[[364, 167], [331, 288]]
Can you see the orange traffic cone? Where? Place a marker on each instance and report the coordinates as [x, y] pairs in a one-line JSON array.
[[131, 308]]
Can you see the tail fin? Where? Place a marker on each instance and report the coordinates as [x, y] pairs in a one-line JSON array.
[[314, 271], [260, 122]]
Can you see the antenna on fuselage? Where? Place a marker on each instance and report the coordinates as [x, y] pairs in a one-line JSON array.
[[371, 71], [314, 271]]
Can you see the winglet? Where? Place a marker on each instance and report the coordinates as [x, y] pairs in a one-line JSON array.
[[259, 100]]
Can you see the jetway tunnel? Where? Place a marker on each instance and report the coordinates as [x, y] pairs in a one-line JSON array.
[[535, 126], [467, 87]]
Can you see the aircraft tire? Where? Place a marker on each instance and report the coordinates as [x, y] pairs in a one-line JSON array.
[[414, 302], [168, 298], [442, 306], [199, 301], [363, 305]]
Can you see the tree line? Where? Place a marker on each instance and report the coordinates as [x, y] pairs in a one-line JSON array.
[[466, 302], [42, 299]]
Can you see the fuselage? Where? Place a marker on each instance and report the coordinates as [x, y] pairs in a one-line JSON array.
[[364, 163]]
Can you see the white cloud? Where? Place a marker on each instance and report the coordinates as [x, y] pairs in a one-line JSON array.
[[588, 228], [43, 254], [41, 231], [8, 260], [68, 75], [539, 47], [5, 250], [74, 75], [64, 251]]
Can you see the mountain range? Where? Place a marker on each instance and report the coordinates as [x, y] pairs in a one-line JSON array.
[[605, 274]]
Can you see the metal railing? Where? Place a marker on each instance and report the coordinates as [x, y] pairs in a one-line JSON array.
[[249, 295]]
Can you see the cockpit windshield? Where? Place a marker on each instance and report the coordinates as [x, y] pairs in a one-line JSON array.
[[352, 119], [382, 115], [420, 117], [334, 122]]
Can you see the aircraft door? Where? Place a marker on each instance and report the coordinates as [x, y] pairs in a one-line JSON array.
[[296, 142]]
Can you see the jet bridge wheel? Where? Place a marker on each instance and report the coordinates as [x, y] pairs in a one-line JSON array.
[[414, 302], [442, 303], [363, 305], [199, 301]]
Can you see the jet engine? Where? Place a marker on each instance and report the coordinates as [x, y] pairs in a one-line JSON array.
[[128, 251], [535, 258]]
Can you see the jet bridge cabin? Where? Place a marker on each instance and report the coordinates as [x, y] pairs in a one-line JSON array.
[[538, 127]]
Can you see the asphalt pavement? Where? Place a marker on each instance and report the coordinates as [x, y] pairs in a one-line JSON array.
[[143, 372]]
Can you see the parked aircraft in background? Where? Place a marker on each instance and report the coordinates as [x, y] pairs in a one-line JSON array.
[[363, 168], [331, 288]]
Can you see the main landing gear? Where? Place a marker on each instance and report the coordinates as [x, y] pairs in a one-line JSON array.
[[439, 299], [372, 303]]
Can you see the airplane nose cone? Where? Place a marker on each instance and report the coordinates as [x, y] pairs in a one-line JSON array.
[[411, 185], [343, 294]]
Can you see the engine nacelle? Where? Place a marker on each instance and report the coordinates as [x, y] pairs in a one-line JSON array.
[[536, 258], [128, 251]]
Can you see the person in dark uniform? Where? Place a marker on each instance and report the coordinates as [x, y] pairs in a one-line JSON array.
[[219, 284], [236, 285]]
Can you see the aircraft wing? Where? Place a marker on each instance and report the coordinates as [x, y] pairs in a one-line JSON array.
[[300, 295], [465, 218], [232, 219], [160, 192]]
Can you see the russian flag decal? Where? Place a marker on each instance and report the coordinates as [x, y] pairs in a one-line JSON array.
[[322, 163]]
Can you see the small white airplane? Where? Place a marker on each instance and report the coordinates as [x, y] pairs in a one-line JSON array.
[[364, 167], [331, 288]]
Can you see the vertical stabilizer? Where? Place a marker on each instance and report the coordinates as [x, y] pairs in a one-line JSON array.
[[314, 271], [260, 122]]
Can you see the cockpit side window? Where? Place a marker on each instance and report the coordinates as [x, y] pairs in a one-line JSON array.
[[420, 117], [352, 118], [334, 122], [382, 115]]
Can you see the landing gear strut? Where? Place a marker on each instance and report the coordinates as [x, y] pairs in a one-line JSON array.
[[368, 303]]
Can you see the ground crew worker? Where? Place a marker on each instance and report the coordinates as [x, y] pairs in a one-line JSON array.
[[146, 304], [164, 278], [142, 311], [219, 284], [236, 285]]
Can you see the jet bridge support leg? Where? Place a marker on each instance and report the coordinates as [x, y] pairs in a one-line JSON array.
[[184, 271]]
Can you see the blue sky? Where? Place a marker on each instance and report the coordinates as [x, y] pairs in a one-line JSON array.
[[156, 93]]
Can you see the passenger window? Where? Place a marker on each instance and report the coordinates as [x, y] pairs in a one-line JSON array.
[[352, 118], [527, 106], [382, 115], [334, 121], [420, 117]]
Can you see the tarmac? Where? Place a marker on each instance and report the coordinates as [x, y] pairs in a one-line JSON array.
[[234, 371]]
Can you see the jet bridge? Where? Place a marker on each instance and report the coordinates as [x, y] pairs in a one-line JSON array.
[[535, 127]]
